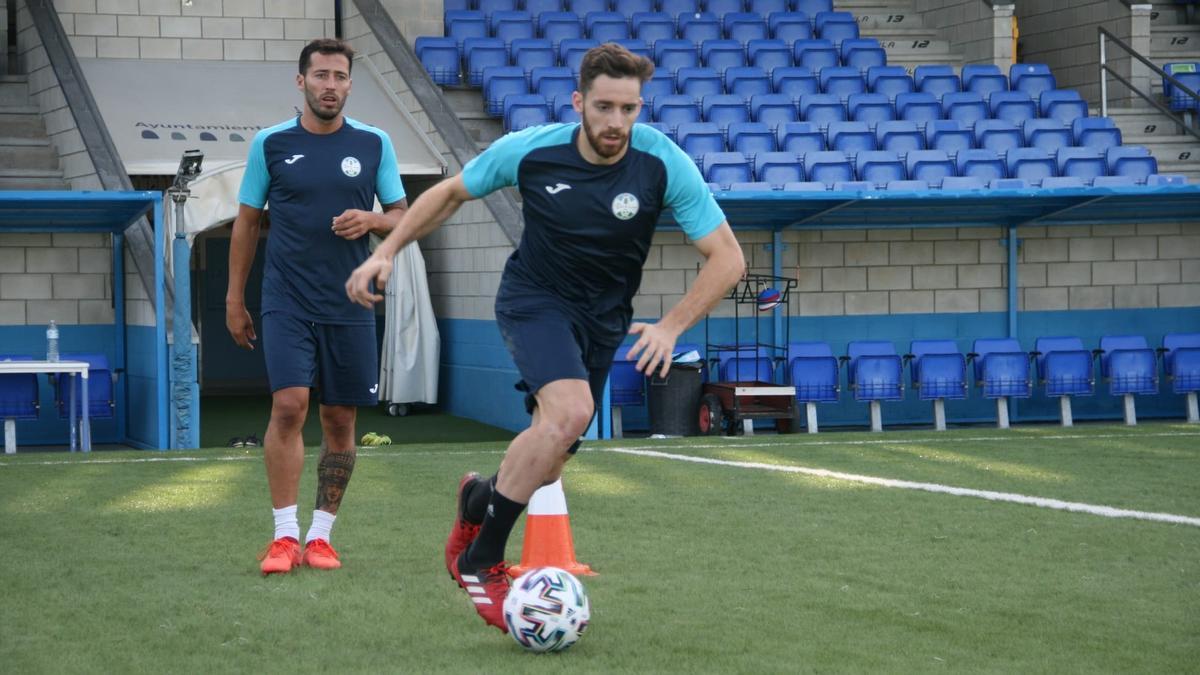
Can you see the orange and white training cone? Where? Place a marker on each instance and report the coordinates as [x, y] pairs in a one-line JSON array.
[[548, 541]]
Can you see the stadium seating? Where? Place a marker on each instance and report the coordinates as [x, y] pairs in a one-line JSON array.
[[813, 371], [525, 110], [772, 109], [828, 167], [101, 380], [880, 167], [936, 79], [930, 166], [1031, 78], [1030, 164], [750, 138], [1133, 161], [890, 81], [863, 53], [777, 168], [1181, 363], [873, 373], [1064, 369], [997, 135], [919, 107], [1001, 372], [899, 136], [870, 108], [850, 137], [1012, 106], [725, 168], [1130, 367], [698, 138], [1064, 105], [1049, 135], [983, 164], [939, 372], [500, 82], [795, 81], [799, 137], [627, 387], [439, 56], [18, 400], [815, 54], [747, 81], [698, 82], [983, 79], [1084, 163]]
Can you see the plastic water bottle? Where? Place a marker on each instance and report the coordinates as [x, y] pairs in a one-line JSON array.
[[52, 341]]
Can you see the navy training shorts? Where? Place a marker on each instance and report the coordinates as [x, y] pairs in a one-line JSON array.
[[339, 359]]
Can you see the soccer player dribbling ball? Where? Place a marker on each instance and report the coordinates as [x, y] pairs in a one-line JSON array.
[[592, 193], [320, 172]]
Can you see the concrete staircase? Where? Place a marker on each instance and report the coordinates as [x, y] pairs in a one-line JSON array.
[[28, 161], [468, 104], [901, 31]]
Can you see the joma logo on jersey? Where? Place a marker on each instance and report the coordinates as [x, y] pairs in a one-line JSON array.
[[625, 206]]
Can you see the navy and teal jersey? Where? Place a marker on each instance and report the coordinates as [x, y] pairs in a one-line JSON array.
[[588, 227], [307, 179]]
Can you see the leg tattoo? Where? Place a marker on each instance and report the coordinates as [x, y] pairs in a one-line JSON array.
[[333, 474]]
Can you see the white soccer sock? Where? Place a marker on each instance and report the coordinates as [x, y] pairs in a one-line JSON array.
[[321, 525], [286, 524]]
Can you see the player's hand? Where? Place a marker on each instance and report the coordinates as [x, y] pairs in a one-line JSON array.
[[353, 223], [377, 268], [655, 346], [240, 325]]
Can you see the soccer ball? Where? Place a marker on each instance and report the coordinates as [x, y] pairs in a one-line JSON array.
[[546, 610]]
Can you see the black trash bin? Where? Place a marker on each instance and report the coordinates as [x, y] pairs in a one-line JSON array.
[[675, 400]]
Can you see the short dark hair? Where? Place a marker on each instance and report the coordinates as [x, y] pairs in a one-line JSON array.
[[614, 61], [325, 46]]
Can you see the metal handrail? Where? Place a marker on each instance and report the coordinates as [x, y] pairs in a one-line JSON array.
[[1105, 70]]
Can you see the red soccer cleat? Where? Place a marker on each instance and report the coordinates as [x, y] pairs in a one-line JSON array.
[[280, 556], [462, 533], [487, 589], [318, 554]]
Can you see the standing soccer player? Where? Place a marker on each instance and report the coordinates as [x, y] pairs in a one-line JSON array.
[[320, 172], [592, 196]]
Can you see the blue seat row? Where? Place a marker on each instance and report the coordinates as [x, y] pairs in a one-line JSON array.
[[20, 394], [582, 8]]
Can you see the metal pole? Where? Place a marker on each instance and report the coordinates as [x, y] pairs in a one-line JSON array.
[[122, 327], [777, 272], [1013, 242], [1103, 78], [183, 373], [162, 425]]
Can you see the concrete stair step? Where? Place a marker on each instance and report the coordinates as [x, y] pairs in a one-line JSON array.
[[918, 48], [1174, 39], [27, 153], [1142, 122], [14, 93], [1174, 149], [21, 121], [1166, 14], [31, 179], [874, 13]]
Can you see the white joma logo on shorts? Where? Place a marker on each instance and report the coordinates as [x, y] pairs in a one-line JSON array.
[[375, 388]]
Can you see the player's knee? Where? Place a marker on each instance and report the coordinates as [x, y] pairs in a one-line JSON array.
[[338, 420], [290, 409]]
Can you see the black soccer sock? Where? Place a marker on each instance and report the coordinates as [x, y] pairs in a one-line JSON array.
[[478, 497], [488, 549]]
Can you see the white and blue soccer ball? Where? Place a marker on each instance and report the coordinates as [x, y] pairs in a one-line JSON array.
[[547, 610]]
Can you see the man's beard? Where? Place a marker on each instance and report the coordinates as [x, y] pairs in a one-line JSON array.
[[314, 104], [594, 141]]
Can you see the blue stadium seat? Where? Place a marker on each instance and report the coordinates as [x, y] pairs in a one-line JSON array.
[[889, 81], [482, 53], [827, 167], [841, 81], [606, 26], [1064, 369], [551, 81], [564, 109], [678, 7], [853, 186], [724, 109], [1128, 365], [671, 55], [796, 81], [1060, 182], [814, 54], [440, 57], [582, 8], [490, 7], [1012, 106], [789, 26], [961, 183], [938, 370], [1064, 105], [1030, 164], [1001, 371], [751, 138], [1181, 363], [899, 136], [1114, 182], [662, 84], [699, 138], [751, 369], [101, 380], [725, 168], [1134, 161], [812, 7], [873, 373], [906, 186], [938, 80], [997, 135], [1049, 135], [983, 164], [836, 27], [754, 186], [777, 168], [722, 54], [813, 371], [821, 109], [500, 82], [772, 109], [948, 136], [530, 53], [698, 27], [631, 7], [1083, 163], [1179, 100], [850, 137], [769, 7], [743, 26], [19, 397], [559, 26], [1009, 184], [746, 81], [870, 108], [967, 107], [930, 166], [983, 79], [1175, 70], [723, 7], [539, 7], [880, 167], [675, 109], [1166, 180], [651, 27], [919, 107], [463, 24], [1100, 133], [800, 138], [769, 54], [863, 53], [525, 110], [698, 82], [637, 46], [572, 50], [511, 25], [805, 186], [456, 5], [1031, 78]]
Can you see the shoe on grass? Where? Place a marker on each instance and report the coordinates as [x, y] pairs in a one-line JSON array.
[[280, 556], [318, 554]]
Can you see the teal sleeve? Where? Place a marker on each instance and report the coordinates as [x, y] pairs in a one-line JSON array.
[[255, 180], [497, 166], [387, 179]]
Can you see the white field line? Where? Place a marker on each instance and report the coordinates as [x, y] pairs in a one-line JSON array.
[[1077, 507]]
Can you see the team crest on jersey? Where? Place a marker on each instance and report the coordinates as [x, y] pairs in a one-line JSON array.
[[351, 167], [625, 206]]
